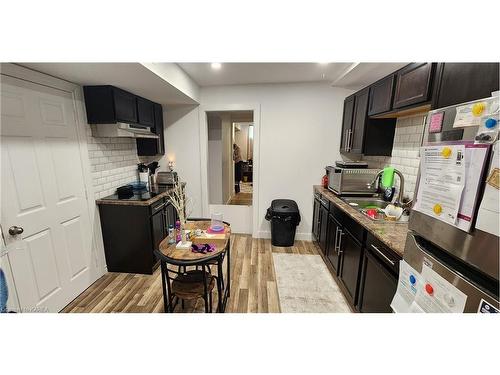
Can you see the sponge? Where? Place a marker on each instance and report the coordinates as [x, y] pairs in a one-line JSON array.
[[388, 177]]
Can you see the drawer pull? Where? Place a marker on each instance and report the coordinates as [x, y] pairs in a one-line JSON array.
[[382, 254]]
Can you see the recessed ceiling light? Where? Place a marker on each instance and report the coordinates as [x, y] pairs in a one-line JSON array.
[[216, 66]]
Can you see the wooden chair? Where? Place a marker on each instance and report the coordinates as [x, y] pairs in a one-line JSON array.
[[187, 285]]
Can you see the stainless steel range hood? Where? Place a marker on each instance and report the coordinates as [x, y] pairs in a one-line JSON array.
[[122, 130]]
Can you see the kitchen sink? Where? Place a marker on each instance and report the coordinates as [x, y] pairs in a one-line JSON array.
[[365, 204]]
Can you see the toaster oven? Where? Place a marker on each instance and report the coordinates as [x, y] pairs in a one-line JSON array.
[[352, 181]]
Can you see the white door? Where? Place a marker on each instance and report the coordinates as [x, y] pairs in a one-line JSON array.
[[43, 192]]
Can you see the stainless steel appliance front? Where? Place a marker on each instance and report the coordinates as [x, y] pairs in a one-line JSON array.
[[417, 254], [352, 181]]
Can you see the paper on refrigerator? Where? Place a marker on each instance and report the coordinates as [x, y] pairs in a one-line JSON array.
[[408, 284], [442, 179]]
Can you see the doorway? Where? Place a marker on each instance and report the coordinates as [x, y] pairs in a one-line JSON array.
[[231, 159]]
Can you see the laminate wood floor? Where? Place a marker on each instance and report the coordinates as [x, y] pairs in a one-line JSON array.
[[253, 283]]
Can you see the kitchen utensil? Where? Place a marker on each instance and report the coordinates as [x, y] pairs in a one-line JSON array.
[[153, 167]]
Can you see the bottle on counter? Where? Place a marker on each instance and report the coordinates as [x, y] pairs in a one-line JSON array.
[[171, 234], [178, 236]]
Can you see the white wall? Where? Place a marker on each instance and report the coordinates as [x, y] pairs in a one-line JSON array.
[[241, 139], [182, 146], [299, 135]]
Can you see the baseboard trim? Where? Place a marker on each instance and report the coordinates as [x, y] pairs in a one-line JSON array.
[[307, 236]]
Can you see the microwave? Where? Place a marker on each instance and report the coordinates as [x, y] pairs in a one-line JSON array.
[[352, 181]]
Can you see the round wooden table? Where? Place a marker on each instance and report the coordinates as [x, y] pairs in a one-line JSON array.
[[169, 254]]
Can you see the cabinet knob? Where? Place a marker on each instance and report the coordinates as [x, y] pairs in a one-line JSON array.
[[15, 230]]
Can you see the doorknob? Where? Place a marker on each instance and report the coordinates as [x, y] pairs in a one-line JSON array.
[[14, 231]]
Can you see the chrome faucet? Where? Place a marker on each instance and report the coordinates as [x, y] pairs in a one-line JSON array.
[[399, 199]]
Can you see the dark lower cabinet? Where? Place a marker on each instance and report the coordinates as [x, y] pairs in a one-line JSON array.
[[350, 250], [323, 232], [316, 219], [131, 233], [379, 277], [377, 286], [462, 82], [332, 253]]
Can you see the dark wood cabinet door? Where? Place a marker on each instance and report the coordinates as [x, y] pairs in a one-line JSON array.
[[381, 96], [377, 286], [158, 229], [316, 219], [99, 104], [125, 106], [413, 83], [462, 82], [356, 137], [346, 123], [323, 232], [350, 264], [170, 214], [333, 236], [145, 112], [151, 146]]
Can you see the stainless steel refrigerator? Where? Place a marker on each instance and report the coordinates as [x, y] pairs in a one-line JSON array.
[[467, 259]]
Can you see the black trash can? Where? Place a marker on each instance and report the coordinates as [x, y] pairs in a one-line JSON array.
[[284, 216]]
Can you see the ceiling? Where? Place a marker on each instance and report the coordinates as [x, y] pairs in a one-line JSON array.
[[133, 77], [348, 75]]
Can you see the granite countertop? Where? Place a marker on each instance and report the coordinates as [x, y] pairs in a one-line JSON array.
[[145, 198], [392, 235]]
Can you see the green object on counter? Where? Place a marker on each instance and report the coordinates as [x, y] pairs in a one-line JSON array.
[[387, 177]]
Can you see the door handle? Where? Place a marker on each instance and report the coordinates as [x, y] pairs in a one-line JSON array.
[[349, 133], [15, 230], [382, 254], [340, 242], [345, 140]]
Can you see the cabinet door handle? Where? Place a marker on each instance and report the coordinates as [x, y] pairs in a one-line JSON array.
[[345, 140], [339, 251], [382, 255], [336, 238], [349, 139]]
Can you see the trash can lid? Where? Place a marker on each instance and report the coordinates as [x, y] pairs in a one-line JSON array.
[[284, 206]]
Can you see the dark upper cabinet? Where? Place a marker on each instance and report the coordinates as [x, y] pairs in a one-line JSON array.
[[462, 82], [413, 84], [356, 136], [145, 112], [346, 122], [108, 104], [151, 146], [125, 106], [381, 96], [361, 134]]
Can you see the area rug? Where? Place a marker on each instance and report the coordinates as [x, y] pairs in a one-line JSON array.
[[305, 285]]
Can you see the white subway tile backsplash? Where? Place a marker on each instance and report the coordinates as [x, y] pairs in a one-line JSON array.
[[113, 163], [405, 151]]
